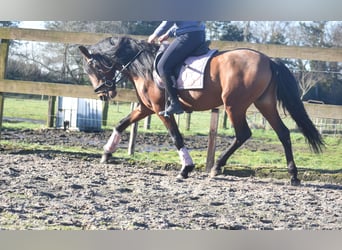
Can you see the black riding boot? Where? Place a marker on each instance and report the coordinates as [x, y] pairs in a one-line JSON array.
[[174, 107]]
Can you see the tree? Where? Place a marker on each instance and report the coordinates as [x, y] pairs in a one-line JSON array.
[[8, 24], [335, 83], [335, 34], [140, 27], [65, 60], [61, 62], [266, 32], [114, 27], [315, 75], [232, 32], [20, 69], [314, 33], [215, 29], [307, 78]]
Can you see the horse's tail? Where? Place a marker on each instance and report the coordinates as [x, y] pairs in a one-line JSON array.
[[289, 97]]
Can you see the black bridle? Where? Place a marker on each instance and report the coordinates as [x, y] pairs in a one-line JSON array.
[[109, 85]]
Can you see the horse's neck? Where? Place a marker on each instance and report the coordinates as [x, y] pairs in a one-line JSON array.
[[147, 90]]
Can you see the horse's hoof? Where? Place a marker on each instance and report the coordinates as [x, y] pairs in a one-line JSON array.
[[105, 157], [181, 176], [215, 172], [295, 182], [184, 173], [189, 168]]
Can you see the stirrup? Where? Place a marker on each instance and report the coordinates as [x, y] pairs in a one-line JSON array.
[[169, 111]]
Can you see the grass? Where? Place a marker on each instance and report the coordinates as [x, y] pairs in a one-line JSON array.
[[244, 160], [26, 108]]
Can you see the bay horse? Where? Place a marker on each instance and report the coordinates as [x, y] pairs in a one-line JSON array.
[[235, 79]]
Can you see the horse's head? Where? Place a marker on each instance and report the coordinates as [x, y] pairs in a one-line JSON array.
[[115, 59], [101, 72]]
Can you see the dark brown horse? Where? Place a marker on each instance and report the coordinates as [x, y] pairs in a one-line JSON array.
[[235, 79]]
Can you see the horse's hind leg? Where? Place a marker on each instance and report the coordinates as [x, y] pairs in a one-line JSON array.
[[271, 114], [242, 134]]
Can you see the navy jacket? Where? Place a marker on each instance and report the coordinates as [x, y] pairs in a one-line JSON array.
[[176, 28]]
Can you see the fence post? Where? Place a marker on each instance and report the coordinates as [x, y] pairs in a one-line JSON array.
[[51, 111], [1, 110], [133, 134], [105, 108], [4, 45], [147, 123], [188, 121], [224, 119], [212, 139]]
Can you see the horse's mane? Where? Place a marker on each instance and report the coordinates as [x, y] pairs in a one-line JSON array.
[[121, 50]]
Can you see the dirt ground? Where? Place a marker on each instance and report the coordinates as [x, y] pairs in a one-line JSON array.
[[49, 189]]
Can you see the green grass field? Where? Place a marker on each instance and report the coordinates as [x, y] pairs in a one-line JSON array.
[[37, 110], [328, 162]]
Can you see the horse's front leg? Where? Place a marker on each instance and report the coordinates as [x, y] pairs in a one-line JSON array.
[[112, 144], [185, 158]]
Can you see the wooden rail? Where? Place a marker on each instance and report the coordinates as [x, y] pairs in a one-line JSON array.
[[273, 50], [284, 51], [324, 111], [53, 36], [59, 89]]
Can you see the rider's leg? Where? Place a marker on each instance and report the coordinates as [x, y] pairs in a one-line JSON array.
[[178, 50], [175, 106]]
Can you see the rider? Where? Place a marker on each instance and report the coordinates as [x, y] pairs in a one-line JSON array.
[[189, 35]]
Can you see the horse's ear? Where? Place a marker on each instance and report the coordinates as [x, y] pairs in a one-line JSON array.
[[112, 41], [85, 52]]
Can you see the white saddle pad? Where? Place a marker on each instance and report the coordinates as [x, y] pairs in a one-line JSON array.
[[191, 74]]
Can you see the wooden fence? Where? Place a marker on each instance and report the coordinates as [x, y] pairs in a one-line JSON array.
[[58, 89]]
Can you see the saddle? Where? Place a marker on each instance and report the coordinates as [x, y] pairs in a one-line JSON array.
[[189, 74]]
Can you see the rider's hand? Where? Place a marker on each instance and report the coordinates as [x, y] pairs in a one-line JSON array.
[[151, 38], [163, 37]]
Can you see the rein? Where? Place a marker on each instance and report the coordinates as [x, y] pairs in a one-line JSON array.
[[108, 84]]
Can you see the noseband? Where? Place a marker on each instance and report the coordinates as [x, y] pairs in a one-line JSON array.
[[109, 85]]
